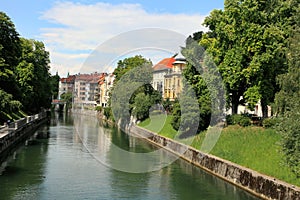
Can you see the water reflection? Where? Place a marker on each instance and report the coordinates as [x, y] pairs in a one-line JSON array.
[[68, 166], [25, 169]]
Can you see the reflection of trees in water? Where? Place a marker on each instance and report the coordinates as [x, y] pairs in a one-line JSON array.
[[61, 118], [26, 171]]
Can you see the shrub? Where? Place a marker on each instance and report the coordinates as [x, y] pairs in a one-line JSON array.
[[241, 120], [229, 120], [244, 121], [270, 122], [98, 108]]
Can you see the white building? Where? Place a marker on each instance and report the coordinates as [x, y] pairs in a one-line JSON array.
[[86, 88], [159, 72]]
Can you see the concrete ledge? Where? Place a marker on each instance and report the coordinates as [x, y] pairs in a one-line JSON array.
[[256, 183], [18, 131]]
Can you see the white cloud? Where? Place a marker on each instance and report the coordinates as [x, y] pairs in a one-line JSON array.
[[81, 28]]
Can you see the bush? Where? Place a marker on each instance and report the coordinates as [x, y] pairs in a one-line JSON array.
[[98, 108], [244, 121], [229, 120], [108, 113], [270, 122], [241, 120]]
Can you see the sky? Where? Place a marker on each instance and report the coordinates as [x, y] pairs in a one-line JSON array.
[[84, 36]]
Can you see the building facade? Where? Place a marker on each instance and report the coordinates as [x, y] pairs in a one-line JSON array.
[[159, 71], [86, 89], [173, 80], [106, 82], [66, 85]]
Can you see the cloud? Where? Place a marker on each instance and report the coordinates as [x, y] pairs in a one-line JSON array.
[[79, 28]]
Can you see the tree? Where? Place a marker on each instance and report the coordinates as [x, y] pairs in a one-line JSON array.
[[10, 51], [33, 76], [287, 104], [67, 97], [133, 76], [54, 82], [201, 100], [248, 42], [140, 107]]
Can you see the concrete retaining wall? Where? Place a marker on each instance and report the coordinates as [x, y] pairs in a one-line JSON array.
[[19, 130], [260, 185]]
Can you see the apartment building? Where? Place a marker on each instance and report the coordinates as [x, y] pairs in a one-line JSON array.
[[66, 85], [86, 88], [105, 84]]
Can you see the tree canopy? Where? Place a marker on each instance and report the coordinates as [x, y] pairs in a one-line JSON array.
[[248, 40], [25, 81]]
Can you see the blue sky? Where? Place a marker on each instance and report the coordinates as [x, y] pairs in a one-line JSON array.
[[71, 30]]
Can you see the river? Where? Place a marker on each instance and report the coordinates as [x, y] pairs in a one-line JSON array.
[[73, 163]]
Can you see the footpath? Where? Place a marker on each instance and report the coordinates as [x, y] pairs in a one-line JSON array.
[[14, 132]]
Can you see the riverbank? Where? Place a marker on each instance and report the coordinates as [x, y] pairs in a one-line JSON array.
[[259, 184], [256, 183], [15, 132], [252, 147]]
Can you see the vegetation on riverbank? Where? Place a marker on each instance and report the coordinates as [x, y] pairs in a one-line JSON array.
[[256, 148], [25, 81]]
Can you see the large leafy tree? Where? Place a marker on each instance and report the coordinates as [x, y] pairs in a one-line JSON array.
[[133, 77], [33, 75], [288, 106], [10, 51], [248, 42]]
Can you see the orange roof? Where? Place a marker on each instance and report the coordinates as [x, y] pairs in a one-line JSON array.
[[69, 79], [164, 64]]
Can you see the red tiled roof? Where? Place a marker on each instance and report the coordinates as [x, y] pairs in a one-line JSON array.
[[164, 64], [70, 79]]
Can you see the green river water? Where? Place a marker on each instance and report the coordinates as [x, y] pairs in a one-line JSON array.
[[68, 165]]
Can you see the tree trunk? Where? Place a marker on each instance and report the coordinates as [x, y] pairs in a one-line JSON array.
[[235, 103], [264, 108]]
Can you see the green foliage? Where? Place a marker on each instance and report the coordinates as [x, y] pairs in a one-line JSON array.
[[141, 106], [253, 147], [67, 97], [133, 77], [127, 64], [108, 113], [99, 108], [167, 104], [288, 106], [54, 84], [248, 41], [33, 76], [176, 116], [10, 51], [270, 122], [241, 120]]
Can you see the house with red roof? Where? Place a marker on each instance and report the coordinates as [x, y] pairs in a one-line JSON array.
[[159, 72], [66, 85], [173, 80]]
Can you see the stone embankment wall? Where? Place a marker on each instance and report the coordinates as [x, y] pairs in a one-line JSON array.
[[19, 130], [260, 185]]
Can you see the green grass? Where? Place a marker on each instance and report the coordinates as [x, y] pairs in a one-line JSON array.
[[253, 147], [160, 124]]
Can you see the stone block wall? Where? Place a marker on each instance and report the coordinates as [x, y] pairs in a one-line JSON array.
[[260, 185]]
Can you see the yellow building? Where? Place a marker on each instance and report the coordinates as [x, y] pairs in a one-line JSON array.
[[173, 80]]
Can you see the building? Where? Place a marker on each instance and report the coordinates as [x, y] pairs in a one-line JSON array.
[[159, 72], [173, 80], [86, 89], [66, 85], [105, 84]]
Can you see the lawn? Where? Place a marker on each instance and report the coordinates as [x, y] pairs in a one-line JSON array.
[[253, 147]]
